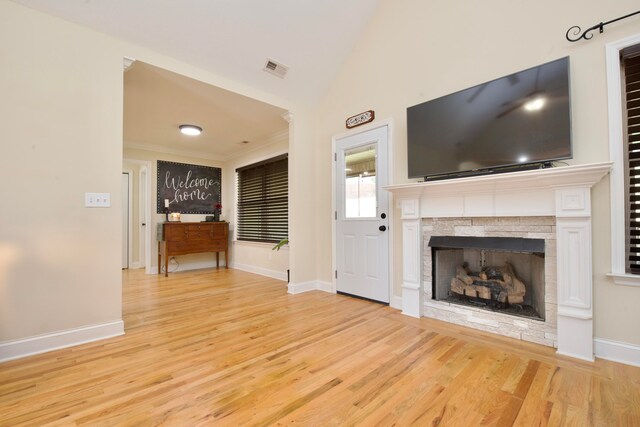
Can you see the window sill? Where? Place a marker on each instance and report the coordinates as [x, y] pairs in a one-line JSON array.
[[623, 279]]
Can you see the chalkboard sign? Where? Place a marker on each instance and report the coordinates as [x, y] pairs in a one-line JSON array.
[[190, 189]]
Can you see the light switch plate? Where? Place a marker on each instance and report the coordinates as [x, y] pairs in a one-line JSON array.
[[97, 200]]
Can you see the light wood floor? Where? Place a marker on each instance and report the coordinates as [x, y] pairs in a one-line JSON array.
[[224, 347]]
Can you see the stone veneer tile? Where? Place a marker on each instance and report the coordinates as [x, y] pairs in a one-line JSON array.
[[506, 220], [448, 222], [519, 228], [535, 235], [469, 230], [551, 313], [521, 328], [551, 248], [538, 325], [538, 220], [504, 234], [522, 324]]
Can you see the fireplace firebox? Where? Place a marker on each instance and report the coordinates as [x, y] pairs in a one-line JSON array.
[[501, 274]]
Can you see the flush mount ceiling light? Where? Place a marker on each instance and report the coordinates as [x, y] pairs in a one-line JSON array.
[[191, 130]]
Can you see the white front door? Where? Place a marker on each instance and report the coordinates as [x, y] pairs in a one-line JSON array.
[[362, 239]]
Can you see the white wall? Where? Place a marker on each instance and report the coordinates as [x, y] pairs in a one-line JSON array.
[[415, 50], [61, 111], [254, 256]]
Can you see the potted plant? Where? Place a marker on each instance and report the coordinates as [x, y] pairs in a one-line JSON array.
[[280, 244]]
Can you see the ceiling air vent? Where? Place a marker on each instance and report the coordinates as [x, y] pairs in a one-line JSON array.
[[275, 68]]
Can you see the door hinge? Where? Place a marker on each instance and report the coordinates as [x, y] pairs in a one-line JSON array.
[[335, 215], [335, 157], [336, 274]]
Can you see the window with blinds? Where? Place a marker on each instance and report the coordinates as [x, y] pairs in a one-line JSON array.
[[263, 201], [630, 61]]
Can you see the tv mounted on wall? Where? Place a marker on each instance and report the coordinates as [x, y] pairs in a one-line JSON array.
[[522, 119]]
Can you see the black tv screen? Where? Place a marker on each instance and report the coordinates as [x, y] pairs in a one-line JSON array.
[[519, 119]]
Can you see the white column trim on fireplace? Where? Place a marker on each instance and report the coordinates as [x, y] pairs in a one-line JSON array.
[[573, 236], [563, 192], [412, 295]]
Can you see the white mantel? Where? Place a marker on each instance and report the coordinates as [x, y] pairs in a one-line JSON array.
[[563, 192]]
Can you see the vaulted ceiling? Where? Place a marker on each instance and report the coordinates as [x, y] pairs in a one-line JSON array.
[[231, 38], [234, 38]]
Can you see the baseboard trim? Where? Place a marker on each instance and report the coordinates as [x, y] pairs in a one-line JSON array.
[[396, 302], [312, 285], [325, 286], [616, 351], [187, 266], [278, 275], [298, 288], [16, 349]]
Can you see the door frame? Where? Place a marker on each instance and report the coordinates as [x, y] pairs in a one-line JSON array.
[[388, 123], [129, 174], [146, 232]]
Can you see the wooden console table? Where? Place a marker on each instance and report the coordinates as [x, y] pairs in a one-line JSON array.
[[182, 238]]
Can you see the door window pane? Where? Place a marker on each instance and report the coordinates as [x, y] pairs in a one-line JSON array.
[[360, 182]]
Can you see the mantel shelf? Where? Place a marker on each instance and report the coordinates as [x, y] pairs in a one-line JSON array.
[[574, 176]]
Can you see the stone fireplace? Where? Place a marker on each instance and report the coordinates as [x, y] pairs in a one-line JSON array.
[[526, 244], [553, 205]]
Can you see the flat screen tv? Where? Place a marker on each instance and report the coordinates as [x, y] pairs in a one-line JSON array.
[[520, 119]]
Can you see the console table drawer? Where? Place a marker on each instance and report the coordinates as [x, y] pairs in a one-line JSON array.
[[189, 247], [191, 238]]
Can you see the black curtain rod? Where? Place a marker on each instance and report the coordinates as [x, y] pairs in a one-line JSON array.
[[586, 35]]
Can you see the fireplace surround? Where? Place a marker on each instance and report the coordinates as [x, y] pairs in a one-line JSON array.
[[562, 195], [528, 243]]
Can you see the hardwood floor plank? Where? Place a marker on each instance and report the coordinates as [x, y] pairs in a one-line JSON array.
[[226, 347]]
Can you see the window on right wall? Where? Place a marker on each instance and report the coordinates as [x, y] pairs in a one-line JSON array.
[[630, 76], [623, 85]]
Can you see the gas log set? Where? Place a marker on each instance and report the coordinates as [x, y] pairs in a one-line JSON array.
[[493, 284]]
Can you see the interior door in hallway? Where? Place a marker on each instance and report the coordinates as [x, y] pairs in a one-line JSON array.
[[362, 207], [125, 219]]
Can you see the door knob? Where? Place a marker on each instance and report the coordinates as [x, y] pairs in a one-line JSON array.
[[382, 228]]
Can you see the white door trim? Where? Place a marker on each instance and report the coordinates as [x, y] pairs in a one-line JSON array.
[[129, 174], [147, 229], [334, 262], [143, 215]]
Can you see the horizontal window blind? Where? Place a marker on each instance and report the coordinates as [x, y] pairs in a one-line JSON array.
[[263, 201], [631, 90]]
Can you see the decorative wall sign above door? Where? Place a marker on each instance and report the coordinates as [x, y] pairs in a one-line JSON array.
[[360, 119]]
